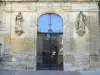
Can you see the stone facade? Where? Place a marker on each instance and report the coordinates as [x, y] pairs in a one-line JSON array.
[[20, 51]]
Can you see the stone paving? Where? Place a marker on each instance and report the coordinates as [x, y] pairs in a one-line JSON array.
[[44, 72], [48, 72]]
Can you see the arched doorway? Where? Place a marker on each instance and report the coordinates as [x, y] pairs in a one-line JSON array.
[[49, 42]]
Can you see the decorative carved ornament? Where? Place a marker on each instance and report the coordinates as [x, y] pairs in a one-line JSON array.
[[18, 27], [81, 24]]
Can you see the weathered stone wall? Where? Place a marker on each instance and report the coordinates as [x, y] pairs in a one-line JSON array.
[[21, 48], [78, 51]]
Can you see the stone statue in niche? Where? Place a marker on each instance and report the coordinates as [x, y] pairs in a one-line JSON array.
[[81, 23], [19, 21]]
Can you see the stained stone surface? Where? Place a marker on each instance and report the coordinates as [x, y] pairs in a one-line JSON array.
[[20, 52]]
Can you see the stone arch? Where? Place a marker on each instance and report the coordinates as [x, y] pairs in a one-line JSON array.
[[50, 13], [61, 20], [46, 12]]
